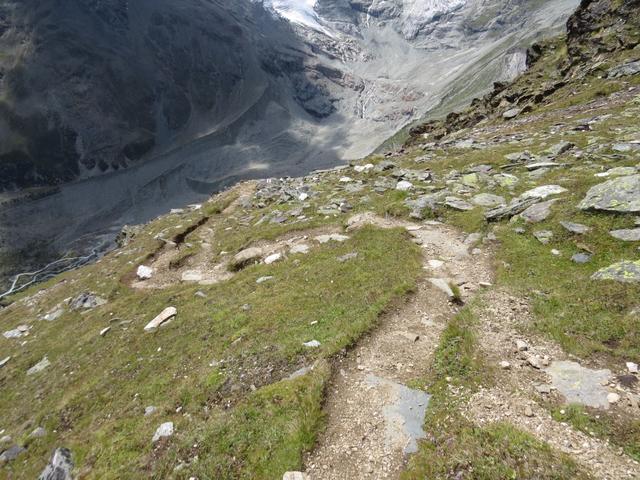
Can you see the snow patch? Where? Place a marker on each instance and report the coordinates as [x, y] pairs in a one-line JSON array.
[[301, 12]]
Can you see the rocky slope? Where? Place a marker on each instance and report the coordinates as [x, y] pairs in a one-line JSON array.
[[466, 307], [143, 109]]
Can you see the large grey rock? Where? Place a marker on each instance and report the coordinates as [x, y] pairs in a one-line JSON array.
[[577, 228], [511, 113], [11, 454], [580, 385], [627, 234], [458, 204], [488, 200], [60, 466], [246, 257], [626, 271], [86, 301], [539, 212], [516, 206], [620, 194], [560, 148], [624, 70]]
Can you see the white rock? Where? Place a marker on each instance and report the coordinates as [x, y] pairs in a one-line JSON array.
[[4, 361], [613, 397], [521, 345], [104, 331], [15, 333], [543, 191], [404, 186], [264, 279], [303, 196], [442, 285], [150, 410], [335, 237], [164, 430], [632, 367], [301, 248], [273, 258], [505, 365], [144, 272], [312, 344], [346, 179], [38, 367], [295, 476], [162, 317], [53, 314], [435, 264]]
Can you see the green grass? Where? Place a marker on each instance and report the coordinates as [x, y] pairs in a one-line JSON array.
[[93, 396], [456, 448]]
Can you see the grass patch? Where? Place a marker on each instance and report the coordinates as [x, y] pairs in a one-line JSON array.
[[245, 420]]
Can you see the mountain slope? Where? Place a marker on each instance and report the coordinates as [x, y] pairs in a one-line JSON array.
[[476, 292]]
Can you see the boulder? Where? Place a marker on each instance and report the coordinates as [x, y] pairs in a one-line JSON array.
[[511, 113], [516, 206], [488, 200], [458, 204], [87, 301], [11, 454], [626, 69], [404, 186], [246, 257], [620, 194], [627, 234], [538, 212], [59, 467], [577, 228], [626, 271]]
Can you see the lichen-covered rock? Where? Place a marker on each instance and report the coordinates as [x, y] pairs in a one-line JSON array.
[[626, 272], [621, 194]]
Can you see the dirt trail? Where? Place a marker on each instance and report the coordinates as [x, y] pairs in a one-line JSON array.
[[373, 417]]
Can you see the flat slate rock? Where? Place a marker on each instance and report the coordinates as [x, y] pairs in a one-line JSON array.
[[543, 191], [627, 234], [578, 384], [577, 228], [458, 204], [403, 413], [620, 194], [539, 212], [626, 271], [488, 200], [516, 206]]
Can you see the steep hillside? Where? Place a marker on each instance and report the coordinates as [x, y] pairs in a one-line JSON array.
[[115, 112], [466, 307]]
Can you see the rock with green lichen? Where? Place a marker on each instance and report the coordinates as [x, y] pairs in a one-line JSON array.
[[621, 194], [626, 272]]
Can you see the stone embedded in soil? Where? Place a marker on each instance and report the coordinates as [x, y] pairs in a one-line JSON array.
[[273, 258], [581, 258], [543, 236], [443, 286], [579, 384], [576, 228], [246, 257], [161, 318], [312, 344], [60, 466], [38, 367], [144, 272], [87, 301], [488, 200], [458, 204], [625, 272], [543, 191], [165, 430], [403, 414], [11, 454], [538, 212], [295, 476], [627, 234], [621, 194], [632, 367]]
